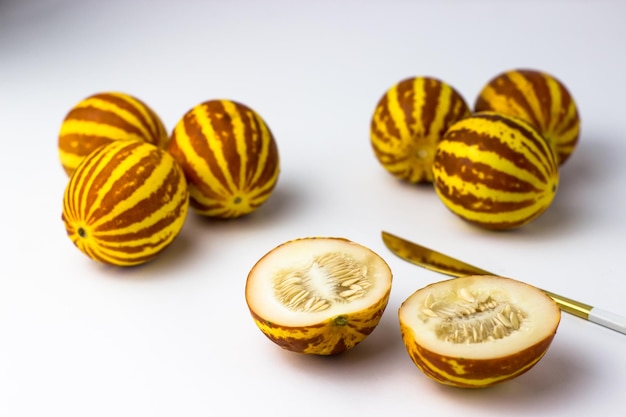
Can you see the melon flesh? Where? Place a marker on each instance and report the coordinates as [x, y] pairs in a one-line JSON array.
[[338, 276], [479, 317]]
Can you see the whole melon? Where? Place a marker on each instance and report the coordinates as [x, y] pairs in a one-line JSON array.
[[229, 156], [495, 171], [125, 203], [539, 98], [105, 117], [408, 122]]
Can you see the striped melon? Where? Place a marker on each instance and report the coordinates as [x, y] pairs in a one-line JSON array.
[[229, 157], [495, 171], [540, 99], [477, 331], [318, 295], [125, 203], [105, 117], [409, 120]]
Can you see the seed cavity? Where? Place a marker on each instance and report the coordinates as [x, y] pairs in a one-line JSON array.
[[330, 278], [466, 317]]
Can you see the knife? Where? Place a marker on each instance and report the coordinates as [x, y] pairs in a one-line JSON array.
[[438, 262]]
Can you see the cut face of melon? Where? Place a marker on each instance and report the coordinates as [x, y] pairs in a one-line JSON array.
[[476, 331], [319, 295]]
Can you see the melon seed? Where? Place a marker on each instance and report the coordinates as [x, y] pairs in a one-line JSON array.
[[468, 318], [330, 278]]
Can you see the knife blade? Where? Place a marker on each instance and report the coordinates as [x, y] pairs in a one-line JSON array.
[[444, 264]]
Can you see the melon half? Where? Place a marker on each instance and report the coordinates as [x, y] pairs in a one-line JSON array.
[[479, 330], [318, 295]]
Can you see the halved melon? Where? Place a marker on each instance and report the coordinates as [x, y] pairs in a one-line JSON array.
[[479, 330], [318, 295]]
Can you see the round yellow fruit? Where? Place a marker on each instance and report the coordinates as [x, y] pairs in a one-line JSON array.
[[495, 171], [318, 295], [229, 156], [105, 117], [540, 99], [409, 120], [477, 331], [125, 203]]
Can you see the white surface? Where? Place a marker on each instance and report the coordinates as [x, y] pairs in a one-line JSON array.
[[174, 337]]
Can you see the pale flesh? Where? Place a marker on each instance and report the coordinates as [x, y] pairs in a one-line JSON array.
[[306, 280], [479, 317]]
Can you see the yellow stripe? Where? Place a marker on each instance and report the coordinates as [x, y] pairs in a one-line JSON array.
[[84, 182], [265, 137], [534, 113], [419, 102], [557, 102], [150, 185], [398, 118], [127, 116], [513, 139], [498, 101], [469, 381], [387, 144], [215, 145], [82, 127], [155, 125], [391, 147], [485, 217], [562, 137], [384, 143], [238, 136], [115, 175], [196, 163], [70, 160], [444, 107]]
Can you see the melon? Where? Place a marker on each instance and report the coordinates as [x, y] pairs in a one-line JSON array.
[[318, 295], [125, 203]]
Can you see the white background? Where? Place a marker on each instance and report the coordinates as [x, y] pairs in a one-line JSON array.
[[174, 337]]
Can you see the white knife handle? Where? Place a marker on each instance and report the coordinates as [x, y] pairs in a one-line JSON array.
[[608, 319]]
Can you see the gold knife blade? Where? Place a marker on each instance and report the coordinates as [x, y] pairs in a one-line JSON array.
[[438, 262]]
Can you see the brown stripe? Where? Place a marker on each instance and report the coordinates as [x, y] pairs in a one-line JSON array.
[[222, 123], [458, 110], [89, 168], [251, 129], [96, 115], [89, 250], [542, 91], [69, 209], [129, 106], [541, 149], [383, 118], [531, 135], [406, 101], [157, 129], [481, 173], [215, 203], [432, 93], [67, 218], [503, 85], [119, 257], [124, 188], [566, 103], [271, 163], [157, 228], [200, 144], [492, 144], [81, 144], [103, 173], [572, 123]]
